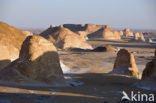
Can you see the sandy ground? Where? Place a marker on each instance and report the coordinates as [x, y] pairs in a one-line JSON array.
[[90, 70]]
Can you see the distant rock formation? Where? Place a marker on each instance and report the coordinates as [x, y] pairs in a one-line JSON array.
[[83, 34], [95, 31], [127, 32], [149, 40], [139, 36], [38, 61], [91, 28], [125, 64], [11, 40], [106, 33], [121, 33], [27, 33], [149, 76], [150, 68], [64, 38], [52, 26], [88, 28]]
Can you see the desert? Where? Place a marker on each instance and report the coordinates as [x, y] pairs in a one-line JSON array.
[[47, 72], [77, 51]]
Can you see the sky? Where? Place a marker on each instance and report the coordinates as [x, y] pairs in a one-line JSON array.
[[135, 14]]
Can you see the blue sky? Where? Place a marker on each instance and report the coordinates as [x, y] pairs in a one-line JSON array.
[[135, 14]]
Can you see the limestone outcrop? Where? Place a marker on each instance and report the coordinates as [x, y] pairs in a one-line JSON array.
[[127, 32], [125, 64], [11, 40], [64, 38], [38, 61]]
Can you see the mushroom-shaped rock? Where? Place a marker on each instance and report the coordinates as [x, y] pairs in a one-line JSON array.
[[125, 64]]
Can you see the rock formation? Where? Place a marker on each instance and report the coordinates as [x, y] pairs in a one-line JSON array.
[[125, 64], [149, 76], [27, 33], [127, 32], [121, 33], [95, 31], [149, 40], [106, 33], [150, 69], [138, 36], [105, 48], [64, 38], [38, 60], [91, 28], [88, 28], [8, 53], [83, 34], [11, 40]]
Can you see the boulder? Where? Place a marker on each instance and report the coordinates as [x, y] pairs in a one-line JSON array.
[[11, 40], [38, 61], [127, 32], [65, 39], [125, 64]]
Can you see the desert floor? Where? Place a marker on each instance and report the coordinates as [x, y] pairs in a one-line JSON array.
[[88, 80]]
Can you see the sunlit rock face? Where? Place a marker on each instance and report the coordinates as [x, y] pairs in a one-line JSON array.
[[106, 32], [11, 40], [64, 38], [127, 32], [38, 60], [27, 33], [125, 64]]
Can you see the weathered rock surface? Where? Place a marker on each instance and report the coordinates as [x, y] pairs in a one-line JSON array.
[[11, 40], [149, 40], [106, 32], [83, 35], [149, 76], [64, 38], [127, 32], [27, 33], [8, 53], [38, 61], [139, 37], [125, 64]]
